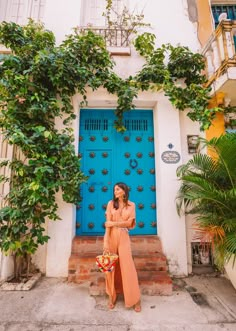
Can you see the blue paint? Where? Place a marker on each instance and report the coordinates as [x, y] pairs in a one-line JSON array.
[[109, 157], [230, 10]]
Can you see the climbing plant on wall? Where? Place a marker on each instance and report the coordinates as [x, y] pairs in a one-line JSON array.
[[178, 72], [37, 81]]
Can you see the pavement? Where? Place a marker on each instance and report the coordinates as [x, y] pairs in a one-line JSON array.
[[200, 302]]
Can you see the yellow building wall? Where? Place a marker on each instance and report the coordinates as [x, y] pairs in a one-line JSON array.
[[217, 127], [205, 29], [205, 24]]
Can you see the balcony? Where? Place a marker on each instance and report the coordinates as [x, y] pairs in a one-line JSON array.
[[117, 40], [221, 60]]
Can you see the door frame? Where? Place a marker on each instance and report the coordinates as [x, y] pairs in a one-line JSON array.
[[154, 147]]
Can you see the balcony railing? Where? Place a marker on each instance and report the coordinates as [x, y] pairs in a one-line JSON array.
[[113, 37], [220, 50]]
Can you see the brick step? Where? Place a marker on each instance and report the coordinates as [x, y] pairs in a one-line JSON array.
[[150, 262], [89, 244], [159, 283], [82, 266], [146, 244], [151, 283]]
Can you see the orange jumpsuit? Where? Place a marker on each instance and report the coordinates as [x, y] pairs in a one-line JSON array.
[[123, 279]]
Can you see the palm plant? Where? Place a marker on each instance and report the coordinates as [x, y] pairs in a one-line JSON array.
[[208, 190]]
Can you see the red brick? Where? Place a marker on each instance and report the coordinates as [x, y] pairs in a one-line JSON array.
[[150, 263]]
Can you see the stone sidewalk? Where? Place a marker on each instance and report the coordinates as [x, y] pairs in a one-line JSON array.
[[198, 303]]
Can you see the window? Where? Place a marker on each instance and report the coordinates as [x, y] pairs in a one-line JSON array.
[[92, 11], [230, 10], [19, 11]]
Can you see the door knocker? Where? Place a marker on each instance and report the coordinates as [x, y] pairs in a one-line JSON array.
[[133, 163]]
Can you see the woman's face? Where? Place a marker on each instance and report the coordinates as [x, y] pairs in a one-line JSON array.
[[118, 192]]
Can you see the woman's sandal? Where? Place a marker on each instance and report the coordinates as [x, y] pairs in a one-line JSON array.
[[137, 307]]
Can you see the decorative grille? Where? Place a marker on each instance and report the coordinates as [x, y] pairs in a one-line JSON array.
[[136, 125], [95, 124], [201, 254]]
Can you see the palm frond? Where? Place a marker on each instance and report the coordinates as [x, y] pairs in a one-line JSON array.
[[208, 190], [210, 233], [196, 191], [229, 224], [225, 148], [230, 243]]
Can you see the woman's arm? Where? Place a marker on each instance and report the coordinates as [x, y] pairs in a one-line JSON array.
[[106, 240], [120, 224], [129, 223], [108, 230]]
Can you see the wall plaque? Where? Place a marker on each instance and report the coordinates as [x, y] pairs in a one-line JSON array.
[[170, 157]]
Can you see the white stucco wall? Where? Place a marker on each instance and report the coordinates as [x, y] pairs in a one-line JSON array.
[[6, 266], [169, 19], [61, 17], [171, 227], [230, 269], [188, 127], [59, 245], [6, 152], [53, 257]]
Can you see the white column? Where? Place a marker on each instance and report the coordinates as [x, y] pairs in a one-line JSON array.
[[6, 266], [216, 55], [210, 67], [171, 227], [229, 45], [6, 151], [61, 232], [221, 47]]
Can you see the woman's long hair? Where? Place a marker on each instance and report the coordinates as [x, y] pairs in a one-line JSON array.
[[124, 187]]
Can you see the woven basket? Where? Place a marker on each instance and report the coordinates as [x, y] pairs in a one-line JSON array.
[[106, 262]]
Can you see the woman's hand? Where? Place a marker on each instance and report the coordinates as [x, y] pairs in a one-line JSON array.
[[109, 224], [105, 247], [106, 250]]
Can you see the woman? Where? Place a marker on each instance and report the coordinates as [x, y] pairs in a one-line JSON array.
[[120, 216]]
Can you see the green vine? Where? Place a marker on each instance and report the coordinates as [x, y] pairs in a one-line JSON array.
[[37, 81]]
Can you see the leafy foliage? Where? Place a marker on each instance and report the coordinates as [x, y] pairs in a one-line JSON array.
[[208, 190], [178, 72], [175, 70], [37, 82]]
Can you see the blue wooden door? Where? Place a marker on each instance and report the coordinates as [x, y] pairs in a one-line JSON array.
[[109, 157]]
